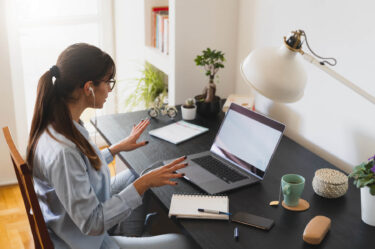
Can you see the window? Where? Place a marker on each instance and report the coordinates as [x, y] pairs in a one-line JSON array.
[[42, 29]]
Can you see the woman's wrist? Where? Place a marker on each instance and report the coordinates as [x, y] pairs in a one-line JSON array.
[[140, 185], [113, 150]]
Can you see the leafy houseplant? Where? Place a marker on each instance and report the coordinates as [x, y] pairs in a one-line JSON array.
[[148, 87], [212, 60], [364, 175], [364, 178]]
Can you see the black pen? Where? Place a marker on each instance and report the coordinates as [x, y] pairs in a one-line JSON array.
[[236, 235], [210, 211]]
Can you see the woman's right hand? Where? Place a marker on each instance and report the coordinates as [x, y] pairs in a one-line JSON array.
[[160, 176]]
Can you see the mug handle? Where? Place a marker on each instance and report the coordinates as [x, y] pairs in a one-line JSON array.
[[286, 189]]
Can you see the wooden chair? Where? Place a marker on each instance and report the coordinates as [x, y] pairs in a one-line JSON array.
[[25, 182]]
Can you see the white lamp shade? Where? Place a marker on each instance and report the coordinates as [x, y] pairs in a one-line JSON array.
[[276, 73]]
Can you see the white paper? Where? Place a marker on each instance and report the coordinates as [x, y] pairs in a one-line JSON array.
[[186, 206], [178, 132]]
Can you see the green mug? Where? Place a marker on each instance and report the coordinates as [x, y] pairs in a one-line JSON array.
[[292, 186]]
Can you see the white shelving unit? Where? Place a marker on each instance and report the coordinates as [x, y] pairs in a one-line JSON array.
[[158, 59], [194, 25]]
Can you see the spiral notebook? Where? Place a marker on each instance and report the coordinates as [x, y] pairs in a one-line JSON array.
[[186, 206]]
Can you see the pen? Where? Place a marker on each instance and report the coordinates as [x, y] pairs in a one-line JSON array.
[[210, 211], [236, 235]]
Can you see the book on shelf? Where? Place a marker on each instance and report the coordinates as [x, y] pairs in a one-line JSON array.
[[246, 101], [165, 35]]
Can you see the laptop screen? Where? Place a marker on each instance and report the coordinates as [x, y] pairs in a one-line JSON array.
[[247, 139]]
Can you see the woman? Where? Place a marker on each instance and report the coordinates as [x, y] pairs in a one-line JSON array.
[[71, 177]]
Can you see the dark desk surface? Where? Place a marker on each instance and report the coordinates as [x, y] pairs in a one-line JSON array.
[[347, 229]]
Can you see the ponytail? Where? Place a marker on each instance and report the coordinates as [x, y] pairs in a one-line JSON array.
[[40, 116]]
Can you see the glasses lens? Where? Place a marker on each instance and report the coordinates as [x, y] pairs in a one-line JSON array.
[[112, 84]]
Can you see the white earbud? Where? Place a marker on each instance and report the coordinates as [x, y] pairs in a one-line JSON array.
[[92, 91]]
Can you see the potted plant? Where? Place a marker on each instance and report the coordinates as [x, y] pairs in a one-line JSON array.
[[148, 87], [189, 109], [364, 178], [208, 104], [151, 91]]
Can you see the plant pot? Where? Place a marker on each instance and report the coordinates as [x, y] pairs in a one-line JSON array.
[[367, 206], [188, 113], [210, 109]]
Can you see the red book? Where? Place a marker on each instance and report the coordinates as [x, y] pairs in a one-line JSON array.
[[160, 8]]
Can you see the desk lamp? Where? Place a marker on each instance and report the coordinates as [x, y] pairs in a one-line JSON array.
[[278, 74]]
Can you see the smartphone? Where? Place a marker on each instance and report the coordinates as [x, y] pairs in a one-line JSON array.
[[253, 220]]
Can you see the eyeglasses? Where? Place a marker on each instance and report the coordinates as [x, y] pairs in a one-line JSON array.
[[111, 83]]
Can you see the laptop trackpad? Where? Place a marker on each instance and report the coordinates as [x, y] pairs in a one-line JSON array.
[[196, 174]]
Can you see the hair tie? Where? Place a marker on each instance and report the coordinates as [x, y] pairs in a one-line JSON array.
[[54, 71]]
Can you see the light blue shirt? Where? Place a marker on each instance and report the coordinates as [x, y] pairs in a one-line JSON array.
[[74, 197]]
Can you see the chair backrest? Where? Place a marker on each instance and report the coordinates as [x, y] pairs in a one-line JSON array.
[[25, 182]]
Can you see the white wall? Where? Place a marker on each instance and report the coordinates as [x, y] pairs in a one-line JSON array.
[[199, 25], [7, 116], [330, 119]]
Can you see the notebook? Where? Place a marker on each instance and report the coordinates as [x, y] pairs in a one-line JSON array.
[[186, 206], [178, 132]]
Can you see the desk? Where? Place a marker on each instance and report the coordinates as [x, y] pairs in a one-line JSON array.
[[347, 230]]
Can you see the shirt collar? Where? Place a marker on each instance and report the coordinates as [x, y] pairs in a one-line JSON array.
[[81, 128]]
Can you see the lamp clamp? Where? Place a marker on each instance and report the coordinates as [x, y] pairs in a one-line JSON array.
[[294, 43]]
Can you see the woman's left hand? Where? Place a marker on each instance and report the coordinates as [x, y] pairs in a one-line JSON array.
[[130, 143]]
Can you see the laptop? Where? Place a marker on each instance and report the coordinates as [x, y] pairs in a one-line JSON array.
[[240, 155]]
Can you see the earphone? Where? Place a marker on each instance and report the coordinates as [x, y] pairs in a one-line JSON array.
[[95, 119], [92, 91], [96, 123]]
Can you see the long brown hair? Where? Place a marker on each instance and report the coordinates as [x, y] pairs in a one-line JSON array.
[[76, 65]]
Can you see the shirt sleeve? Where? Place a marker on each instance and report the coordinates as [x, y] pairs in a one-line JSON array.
[[71, 182], [107, 155]]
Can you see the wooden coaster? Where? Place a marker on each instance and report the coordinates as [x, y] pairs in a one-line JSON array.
[[302, 206]]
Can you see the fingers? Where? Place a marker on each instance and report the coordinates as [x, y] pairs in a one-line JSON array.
[[175, 175], [177, 161], [178, 166], [141, 144], [141, 126], [173, 183]]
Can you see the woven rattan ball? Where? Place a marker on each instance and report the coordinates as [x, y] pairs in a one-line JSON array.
[[330, 183]]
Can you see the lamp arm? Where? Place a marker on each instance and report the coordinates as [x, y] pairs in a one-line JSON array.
[[338, 77]]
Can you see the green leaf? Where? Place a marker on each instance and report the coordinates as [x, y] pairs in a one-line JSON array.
[[210, 58], [372, 189], [368, 181]]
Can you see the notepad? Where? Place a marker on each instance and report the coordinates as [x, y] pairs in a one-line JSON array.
[[178, 132], [186, 206]]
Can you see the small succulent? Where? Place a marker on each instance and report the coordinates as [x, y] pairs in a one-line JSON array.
[[189, 103]]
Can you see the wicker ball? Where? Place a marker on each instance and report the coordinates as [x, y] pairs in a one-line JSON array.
[[330, 183]]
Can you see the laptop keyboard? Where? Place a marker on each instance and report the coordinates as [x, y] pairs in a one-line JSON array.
[[219, 169]]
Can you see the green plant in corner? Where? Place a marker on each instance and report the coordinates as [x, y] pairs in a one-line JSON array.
[[148, 87], [212, 61], [364, 175]]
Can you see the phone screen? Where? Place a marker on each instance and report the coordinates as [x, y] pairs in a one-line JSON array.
[[253, 220]]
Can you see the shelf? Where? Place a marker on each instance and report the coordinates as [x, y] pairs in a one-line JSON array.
[[158, 59]]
